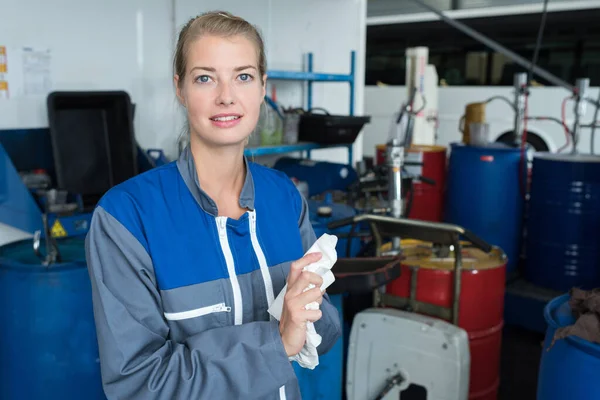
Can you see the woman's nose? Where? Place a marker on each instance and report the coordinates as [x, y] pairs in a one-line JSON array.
[[226, 95]]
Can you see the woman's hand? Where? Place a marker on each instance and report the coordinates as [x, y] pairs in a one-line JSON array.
[[294, 316]]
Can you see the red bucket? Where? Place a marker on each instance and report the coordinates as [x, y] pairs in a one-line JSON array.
[[481, 304]]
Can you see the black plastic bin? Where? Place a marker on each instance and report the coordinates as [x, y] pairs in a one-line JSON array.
[[330, 129], [93, 141]]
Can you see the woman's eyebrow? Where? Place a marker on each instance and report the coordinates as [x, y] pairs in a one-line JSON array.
[[209, 69], [243, 67]]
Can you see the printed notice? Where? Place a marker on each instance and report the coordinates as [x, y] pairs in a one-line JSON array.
[[36, 71], [3, 74]]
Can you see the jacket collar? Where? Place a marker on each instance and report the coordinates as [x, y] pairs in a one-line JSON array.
[[187, 169]]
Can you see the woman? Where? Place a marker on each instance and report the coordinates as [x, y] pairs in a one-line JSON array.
[[186, 259]]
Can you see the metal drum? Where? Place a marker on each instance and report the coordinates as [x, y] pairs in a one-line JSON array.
[[563, 227], [568, 370], [483, 195], [326, 211], [321, 176], [481, 302], [48, 345], [428, 200]]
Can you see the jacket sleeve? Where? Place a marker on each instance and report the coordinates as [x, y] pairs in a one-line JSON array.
[[329, 326], [139, 361]]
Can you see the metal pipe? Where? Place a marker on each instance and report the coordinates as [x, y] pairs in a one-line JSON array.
[[498, 47], [457, 280], [394, 159], [520, 83], [580, 106]]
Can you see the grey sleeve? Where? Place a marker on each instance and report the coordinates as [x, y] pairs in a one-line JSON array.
[[329, 326], [139, 361]]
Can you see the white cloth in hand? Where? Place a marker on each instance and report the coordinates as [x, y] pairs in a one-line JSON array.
[[308, 356]]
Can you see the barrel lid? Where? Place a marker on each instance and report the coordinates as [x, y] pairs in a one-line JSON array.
[[423, 148], [558, 314], [575, 158], [422, 255], [417, 148], [20, 255], [488, 148]]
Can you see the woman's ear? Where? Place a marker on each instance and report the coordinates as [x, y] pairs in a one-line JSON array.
[[264, 85], [178, 90]]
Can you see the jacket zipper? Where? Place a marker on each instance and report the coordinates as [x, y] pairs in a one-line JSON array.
[[262, 261], [198, 312], [233, 279]]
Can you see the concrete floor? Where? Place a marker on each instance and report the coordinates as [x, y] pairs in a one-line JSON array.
[[521, 352]]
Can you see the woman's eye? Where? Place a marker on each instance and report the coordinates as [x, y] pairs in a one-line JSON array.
[[245, 77], [203, 79]]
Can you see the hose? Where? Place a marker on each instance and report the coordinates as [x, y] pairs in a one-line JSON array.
[[506, 99], [593, 134], [563, 117]]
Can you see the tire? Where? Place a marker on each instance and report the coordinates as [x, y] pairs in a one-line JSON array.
[[534, 140]]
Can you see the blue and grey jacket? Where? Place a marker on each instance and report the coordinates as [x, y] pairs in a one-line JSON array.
[[181, 294]]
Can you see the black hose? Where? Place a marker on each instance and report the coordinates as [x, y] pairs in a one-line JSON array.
[[538, 43]]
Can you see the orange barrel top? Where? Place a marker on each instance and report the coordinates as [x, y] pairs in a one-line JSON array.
[[481, 303]]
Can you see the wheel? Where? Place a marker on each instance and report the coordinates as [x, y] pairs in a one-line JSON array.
[[534, 143]]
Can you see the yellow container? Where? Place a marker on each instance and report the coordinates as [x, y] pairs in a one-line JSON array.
[[474, 112]]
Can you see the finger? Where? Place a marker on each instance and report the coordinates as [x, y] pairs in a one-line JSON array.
[[304, 280], [298, 266], [305, 298], [312, 315]]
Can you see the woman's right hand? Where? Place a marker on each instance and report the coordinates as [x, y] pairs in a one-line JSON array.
[[294, 316]]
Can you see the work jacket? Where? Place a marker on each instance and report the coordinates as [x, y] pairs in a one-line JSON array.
[[181, 294]]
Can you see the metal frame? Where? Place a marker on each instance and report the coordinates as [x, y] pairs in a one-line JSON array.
[[310, 77], [437, 233]]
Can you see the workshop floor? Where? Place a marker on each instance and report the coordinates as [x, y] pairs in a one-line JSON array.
[[521, 351]]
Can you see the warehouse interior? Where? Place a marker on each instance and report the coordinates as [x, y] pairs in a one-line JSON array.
[[444, 149]]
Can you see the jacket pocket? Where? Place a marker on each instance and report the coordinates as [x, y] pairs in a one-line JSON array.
[[198, 312], [196, 308]]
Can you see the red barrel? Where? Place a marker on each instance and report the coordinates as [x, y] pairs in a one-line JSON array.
[[427, 202], [481, 304]]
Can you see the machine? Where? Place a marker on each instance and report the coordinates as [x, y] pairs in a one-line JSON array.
[[52, 178]]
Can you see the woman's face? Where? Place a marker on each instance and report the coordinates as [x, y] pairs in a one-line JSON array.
[[222, 90]]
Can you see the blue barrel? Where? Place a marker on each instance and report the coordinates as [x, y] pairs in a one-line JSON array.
[[338, 211], [48, 345], [321, 176], [326, 380], [568, 370], [563, 228], [483, 195]]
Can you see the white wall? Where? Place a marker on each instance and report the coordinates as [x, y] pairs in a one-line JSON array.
[[329, 29], [128, 45], [382, 102], [108, 45]]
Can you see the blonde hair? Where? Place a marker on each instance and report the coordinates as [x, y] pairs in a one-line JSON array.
[[218, 23]]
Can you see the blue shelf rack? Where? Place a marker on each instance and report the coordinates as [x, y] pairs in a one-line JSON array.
[[309, 77]]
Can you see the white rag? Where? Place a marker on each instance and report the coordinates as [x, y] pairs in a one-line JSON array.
[[308, 356]]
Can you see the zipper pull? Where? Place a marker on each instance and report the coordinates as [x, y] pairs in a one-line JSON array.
[[221, 307], [252, 222], [222, 223]]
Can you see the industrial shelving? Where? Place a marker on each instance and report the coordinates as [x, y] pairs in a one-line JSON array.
[[309, 77]]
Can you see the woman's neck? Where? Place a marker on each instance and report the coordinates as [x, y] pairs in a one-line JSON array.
[[221, 171]]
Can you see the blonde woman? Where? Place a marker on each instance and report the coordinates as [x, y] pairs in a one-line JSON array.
[[186, 259]]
